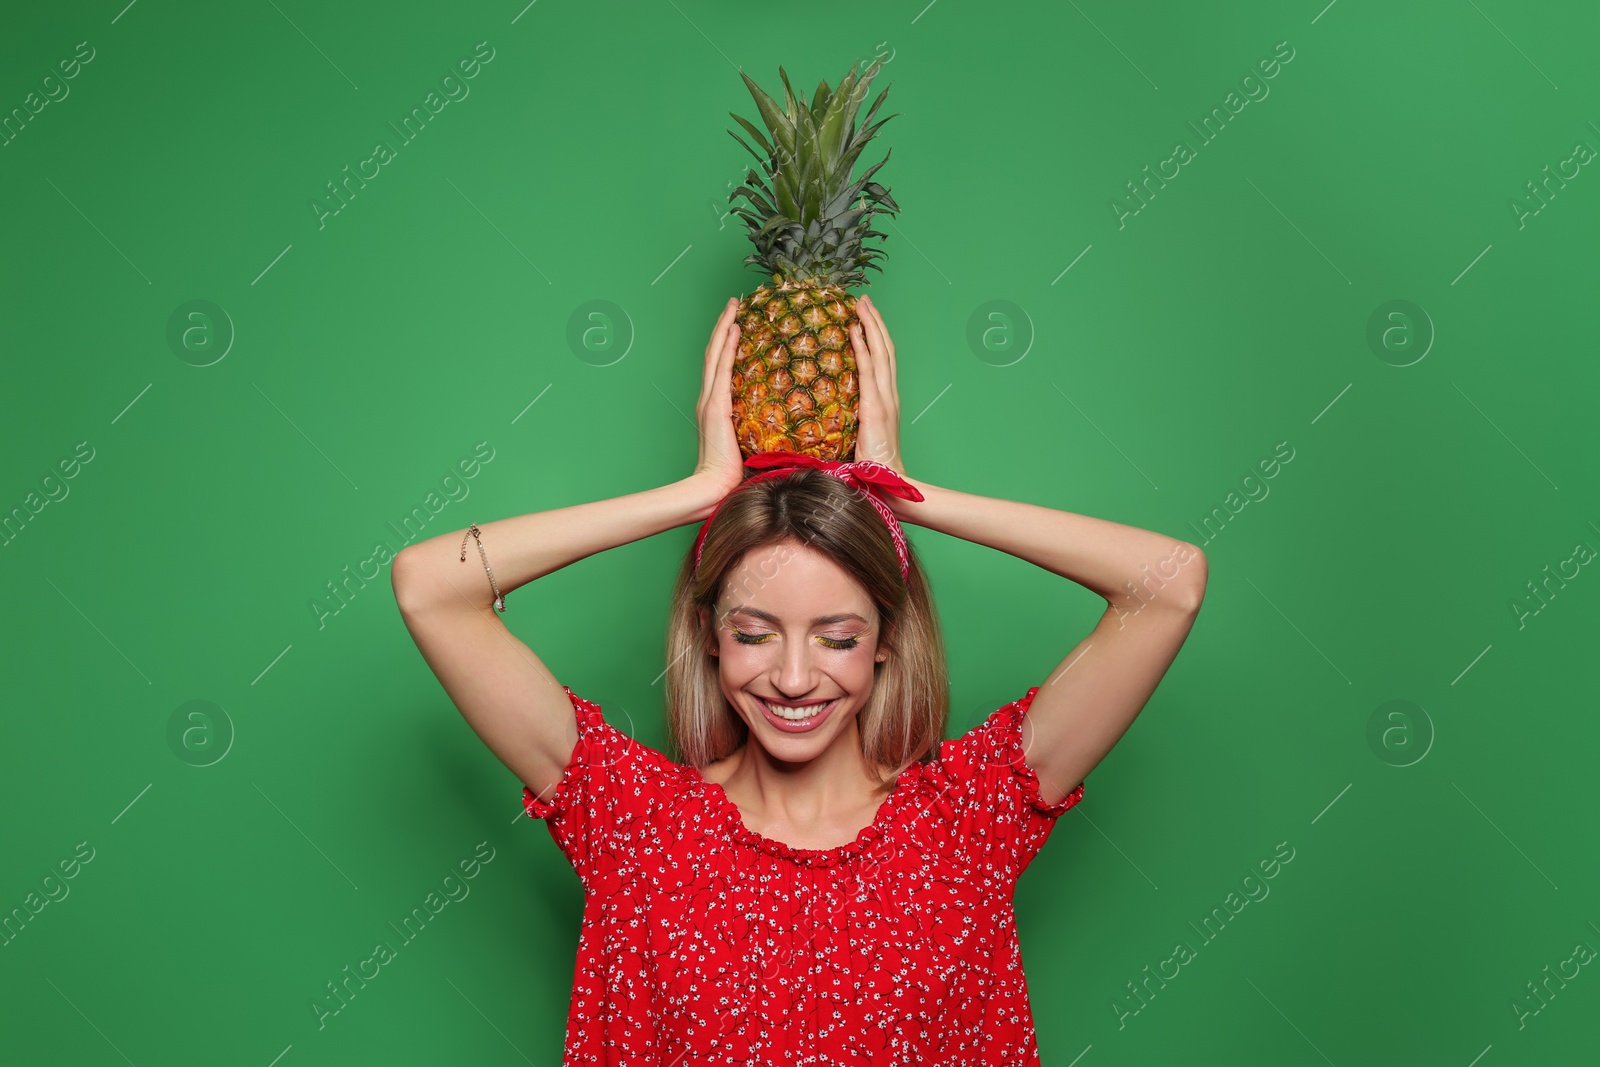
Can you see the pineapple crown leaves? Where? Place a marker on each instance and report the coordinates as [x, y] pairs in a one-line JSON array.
[[798, 209]]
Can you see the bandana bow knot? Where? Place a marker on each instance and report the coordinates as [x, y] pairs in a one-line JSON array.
[[869, 477]]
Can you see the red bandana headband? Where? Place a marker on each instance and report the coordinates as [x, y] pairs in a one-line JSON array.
[[864, 474]]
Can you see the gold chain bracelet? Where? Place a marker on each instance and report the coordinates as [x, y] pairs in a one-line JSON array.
[[473, 532]]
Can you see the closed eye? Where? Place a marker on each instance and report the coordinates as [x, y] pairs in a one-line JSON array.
[[756, 639]]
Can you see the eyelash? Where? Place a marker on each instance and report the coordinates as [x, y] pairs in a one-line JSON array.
[[756, 639]]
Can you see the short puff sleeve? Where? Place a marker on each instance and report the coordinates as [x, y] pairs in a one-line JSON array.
[[994, 794], [600, 811]]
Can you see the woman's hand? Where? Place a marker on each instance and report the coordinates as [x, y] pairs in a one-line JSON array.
[[721, 465], [878, 429]]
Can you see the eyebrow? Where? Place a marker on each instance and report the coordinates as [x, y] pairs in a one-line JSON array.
[[818, 621]]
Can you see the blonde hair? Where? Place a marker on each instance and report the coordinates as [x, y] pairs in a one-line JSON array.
[[904, 717]]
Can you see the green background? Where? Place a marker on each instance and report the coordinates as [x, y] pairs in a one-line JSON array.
[[1442, 858]]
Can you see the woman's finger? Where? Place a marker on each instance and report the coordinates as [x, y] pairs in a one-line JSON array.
[[714, 347], [866, 366], [728, 311], [883, 349], [874, 363], [888, 348], [724, 372], [877, 333], [877, 408]]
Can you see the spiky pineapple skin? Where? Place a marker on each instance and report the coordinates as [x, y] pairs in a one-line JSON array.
[[795, 387]]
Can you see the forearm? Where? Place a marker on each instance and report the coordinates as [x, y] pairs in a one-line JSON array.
[[1098, 554], [530, 546]]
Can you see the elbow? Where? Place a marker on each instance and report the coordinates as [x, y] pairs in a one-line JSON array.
[[1195, 572], [404, 580]]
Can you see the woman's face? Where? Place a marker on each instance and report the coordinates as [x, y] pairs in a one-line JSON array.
[[794, 629]]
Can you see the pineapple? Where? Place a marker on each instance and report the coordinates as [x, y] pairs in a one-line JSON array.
[[794, 376]]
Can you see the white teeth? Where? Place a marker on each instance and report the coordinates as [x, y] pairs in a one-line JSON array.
[[799, 714]]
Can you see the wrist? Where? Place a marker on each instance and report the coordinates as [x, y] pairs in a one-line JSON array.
[[914, 511], [700, 496]]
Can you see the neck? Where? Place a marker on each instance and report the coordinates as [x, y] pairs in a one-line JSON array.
[[838, 780]]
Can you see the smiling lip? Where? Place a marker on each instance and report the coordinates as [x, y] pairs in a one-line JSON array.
[[803, 726]]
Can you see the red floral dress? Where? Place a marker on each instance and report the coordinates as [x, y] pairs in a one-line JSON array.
[[705, 943]]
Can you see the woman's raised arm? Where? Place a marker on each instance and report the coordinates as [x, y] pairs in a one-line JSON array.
[[504, 691], [1153, 585]]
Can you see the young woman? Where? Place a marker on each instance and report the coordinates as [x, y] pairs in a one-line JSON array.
[[818, 877]]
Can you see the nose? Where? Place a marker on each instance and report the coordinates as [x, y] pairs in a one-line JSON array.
[[796, 673]]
